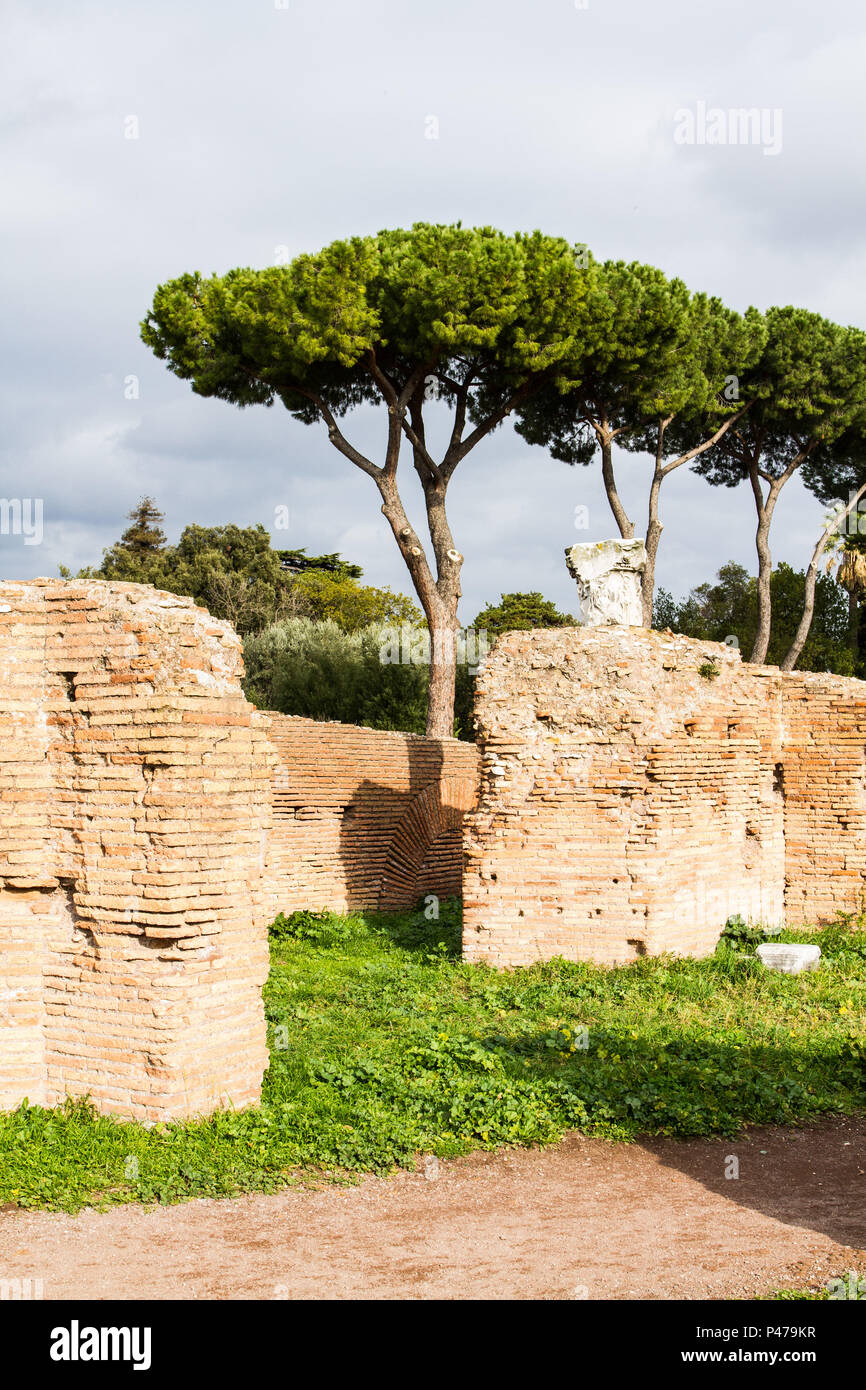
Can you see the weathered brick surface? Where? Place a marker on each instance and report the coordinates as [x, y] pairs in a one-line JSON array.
[[824, 752], [138, 866], [134, 806], [629, 806], [152, 823], [364, 818]]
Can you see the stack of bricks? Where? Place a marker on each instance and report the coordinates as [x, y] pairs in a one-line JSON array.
[[364, 818], [639, 788], [134, 810]]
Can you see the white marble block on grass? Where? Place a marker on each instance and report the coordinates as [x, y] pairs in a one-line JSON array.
[[787, 958]]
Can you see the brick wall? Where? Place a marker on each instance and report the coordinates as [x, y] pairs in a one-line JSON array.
[[152, 823], [824, 738], [364, 818], [134, 806], [629, 805]]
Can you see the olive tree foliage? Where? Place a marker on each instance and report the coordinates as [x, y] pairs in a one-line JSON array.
[[320, 670], [472, 317], [659, 376], [808, 394]]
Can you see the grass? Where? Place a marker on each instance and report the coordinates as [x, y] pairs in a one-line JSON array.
[[385, 1045], [846, 1286]]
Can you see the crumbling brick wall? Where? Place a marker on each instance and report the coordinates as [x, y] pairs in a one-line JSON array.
[[138, 871], [134, 805], [824, 785], [630, 804], [365, 818], [152, 823]]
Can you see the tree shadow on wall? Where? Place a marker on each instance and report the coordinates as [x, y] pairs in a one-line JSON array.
[[378, 832], [396, 844], [809, 1173]]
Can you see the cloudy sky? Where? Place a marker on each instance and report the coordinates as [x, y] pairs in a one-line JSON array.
[[141, 141]]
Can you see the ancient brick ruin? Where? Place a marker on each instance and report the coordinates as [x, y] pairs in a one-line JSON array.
[[631, 791], [639, 788], [364, 818], [152, 824], [135, 796]]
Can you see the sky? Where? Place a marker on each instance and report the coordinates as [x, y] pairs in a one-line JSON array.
[[139, 142]]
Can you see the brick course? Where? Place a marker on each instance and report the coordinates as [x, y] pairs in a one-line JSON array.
[[134, 808], [629, 805], [365, 818], [152, 823]]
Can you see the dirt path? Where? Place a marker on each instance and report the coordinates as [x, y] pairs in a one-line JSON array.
[[585, 1219]]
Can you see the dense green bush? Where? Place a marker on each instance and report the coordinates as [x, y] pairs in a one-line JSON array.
[[318, 670]]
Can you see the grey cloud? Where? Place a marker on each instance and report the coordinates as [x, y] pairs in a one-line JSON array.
[[262, 128]]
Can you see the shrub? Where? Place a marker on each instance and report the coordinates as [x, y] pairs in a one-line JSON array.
[[320, 928]]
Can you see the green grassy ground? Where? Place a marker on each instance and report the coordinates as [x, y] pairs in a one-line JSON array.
[[846, 1286], [385, 1045]]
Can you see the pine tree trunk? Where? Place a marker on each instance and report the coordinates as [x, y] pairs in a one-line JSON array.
[[443, 671], [626, 527], [765, 507], [653, 536], [765, 604], [439, 597], [792, 655]]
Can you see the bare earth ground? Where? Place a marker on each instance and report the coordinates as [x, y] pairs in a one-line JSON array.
[[585, 1219]]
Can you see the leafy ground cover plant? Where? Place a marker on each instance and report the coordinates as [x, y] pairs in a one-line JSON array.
[[740, 935], [846, 1286], [385, 1045]]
